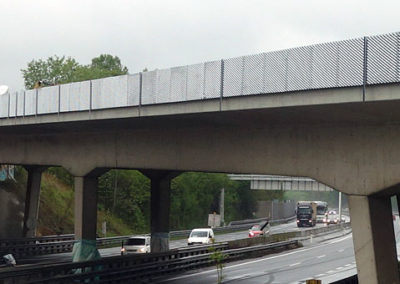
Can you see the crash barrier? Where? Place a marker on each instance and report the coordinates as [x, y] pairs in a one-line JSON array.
[[64, 243], [131, 267], [259, 220], [349, 280]]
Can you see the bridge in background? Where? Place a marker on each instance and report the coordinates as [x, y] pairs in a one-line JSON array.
[[327, 111]]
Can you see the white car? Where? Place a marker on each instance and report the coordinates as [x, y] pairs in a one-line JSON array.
[[201, 236], [137, 244]]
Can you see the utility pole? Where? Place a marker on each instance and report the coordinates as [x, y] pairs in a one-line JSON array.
[[222, 206]]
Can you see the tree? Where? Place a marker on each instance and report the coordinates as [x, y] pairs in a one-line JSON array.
[[59, 70], [54, 70]]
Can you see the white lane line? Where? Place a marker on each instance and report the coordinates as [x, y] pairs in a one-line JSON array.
[[255, 261], [319, 275], [293, 264], [341, 250], [348, 264], [330, 271], [339, 240], [340, 267], [321, 256]]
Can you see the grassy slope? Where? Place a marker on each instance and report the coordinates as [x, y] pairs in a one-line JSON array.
[[56, 211]]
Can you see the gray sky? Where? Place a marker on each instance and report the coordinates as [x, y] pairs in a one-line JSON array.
[[160, 34]]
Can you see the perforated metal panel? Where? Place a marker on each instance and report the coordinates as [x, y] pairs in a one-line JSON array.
[[195, 82], [178, 84], [20, 103], [351, 61], [253, 74], [4, 105], [163, 85], [275, 71], [48, 100], [133, 89], [383, 59], [233, 76], [325, 65], [30, 102], [149, 87], [75, 96], [212, 79], [299, 68], [13, 104], [110, 92]]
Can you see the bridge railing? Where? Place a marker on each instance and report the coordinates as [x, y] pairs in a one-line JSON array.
[[355, 62]]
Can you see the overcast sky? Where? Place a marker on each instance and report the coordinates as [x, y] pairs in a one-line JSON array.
[[160, 34]]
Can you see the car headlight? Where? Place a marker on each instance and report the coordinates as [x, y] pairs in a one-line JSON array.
[[142, 249], [123, 250]]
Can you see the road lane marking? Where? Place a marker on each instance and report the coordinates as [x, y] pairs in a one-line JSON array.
[[330, 272], [349, 264], [320, 275], [339, 240], [293, 264], [321, 256], [340, 267], [255, 261], [341, 250]]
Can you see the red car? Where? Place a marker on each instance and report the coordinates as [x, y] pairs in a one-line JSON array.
[[259, 230]]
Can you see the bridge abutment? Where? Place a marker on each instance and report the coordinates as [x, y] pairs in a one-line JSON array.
[[374, 240]]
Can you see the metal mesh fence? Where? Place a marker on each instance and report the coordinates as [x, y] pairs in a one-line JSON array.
[[383, 59], [75, 96], [355, 62], [13, 105], [30, 102], [20, 103], [110, 92], [47, 100]]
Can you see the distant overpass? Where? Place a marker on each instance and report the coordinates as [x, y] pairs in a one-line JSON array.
[[328, 111], [271, 182]]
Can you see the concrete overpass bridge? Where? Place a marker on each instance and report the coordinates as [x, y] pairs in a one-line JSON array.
[[327, 111]]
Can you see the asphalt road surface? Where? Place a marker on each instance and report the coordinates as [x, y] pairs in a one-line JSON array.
[[327, 260]]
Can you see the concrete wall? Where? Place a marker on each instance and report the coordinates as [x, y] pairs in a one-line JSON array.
[[11, 213], [275, 209]]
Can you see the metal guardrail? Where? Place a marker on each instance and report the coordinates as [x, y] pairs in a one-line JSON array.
[[141, 266], [356, 62], [132, 267], [64, 243]]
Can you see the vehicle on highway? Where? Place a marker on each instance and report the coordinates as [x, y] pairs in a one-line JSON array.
[[306, 213], [322, 208], [136, 244], [201, 236], [261, 229], [332, 218]]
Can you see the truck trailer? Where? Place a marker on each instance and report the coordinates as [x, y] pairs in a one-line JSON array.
[[306, 213]]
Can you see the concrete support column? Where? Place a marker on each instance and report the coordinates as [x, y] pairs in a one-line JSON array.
[[160, 206], [373, 238], [32, 200], [85, 207]]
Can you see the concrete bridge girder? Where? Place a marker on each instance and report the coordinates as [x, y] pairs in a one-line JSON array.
[[358, 160]]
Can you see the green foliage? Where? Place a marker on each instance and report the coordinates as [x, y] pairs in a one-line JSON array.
[[218, 258], [195, 195], [54, 70], [59, 70], [132, 202]]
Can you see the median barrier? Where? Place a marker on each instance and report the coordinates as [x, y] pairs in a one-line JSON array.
[[24, 247]]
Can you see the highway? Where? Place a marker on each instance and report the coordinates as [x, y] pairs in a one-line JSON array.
[[62, 257], [327, 260]]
